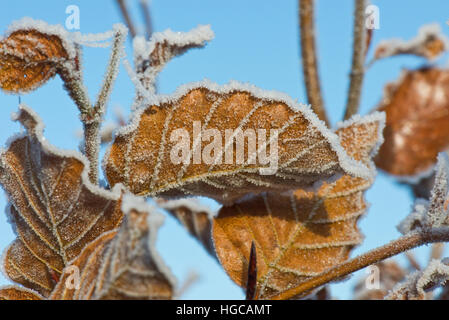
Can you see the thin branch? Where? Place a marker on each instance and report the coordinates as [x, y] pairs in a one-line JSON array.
[[412, 260], [125, 14], [358, 60], [92, 119], [405, 243], [309, 58], [145, 9]]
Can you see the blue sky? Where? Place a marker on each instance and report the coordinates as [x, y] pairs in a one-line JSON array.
[[256, 42]]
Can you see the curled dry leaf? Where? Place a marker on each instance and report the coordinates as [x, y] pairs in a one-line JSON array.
[[163, 152], [31, 54], [299, 234], [197, 219], [18, 293], [121, 264], [54, 208], [429, 43], [417, 110], [418, 285], [150, 57]]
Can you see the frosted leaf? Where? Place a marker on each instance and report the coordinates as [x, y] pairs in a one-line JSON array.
[[54, 208], [196, 218], [417, 110], [32, 53], [437, 213], [301, 233], [419, 283], [308, 153], [18, 293], [122, 264], [429, 43], [416, 219], [151, 57]]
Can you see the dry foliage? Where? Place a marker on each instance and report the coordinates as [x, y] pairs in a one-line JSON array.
[[300, 234], [18, 293], [28, 58], [120, 264], [140, 155], [417, 109]]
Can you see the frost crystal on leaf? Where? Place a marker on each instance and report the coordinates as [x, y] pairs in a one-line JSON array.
[[122, 264], [54, 208], [299, 234], [307, 152], [437, 213], [150, 57], [419, 283]]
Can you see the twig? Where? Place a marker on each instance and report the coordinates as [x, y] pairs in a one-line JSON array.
[[405, 243], [358, 60], [92, 119], [412, 260], [127, 17], [145, 8], [309, 58]]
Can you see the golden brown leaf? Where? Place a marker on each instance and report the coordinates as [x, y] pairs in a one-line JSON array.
[[417, 110], [197, 219], [301, 233], [54, 209], [140, 156], [18, 293], [121, 264], [31, 56]]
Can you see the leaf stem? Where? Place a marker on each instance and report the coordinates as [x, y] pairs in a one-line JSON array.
[[309, 58], [358, 60], [404, 243], [125, 13]]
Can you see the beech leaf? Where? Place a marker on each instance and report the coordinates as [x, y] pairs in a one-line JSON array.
[[417, 109], [145, 158], [301, 233], [18, 293], [122, 264], [54, 209], [31, 54]]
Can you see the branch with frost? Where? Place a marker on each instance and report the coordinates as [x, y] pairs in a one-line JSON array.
[[420, 283], [358, 60], [309, 58], [429, 43], [427, 224], [92, 119]]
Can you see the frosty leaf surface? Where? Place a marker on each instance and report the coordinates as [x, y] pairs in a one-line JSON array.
[[301, 233], [18, 293], [307, 152], [54, 209], [31, 53], [417, 115], [121, 264]]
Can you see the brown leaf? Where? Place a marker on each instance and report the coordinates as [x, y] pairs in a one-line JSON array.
[[429, 43], [121, 264], [417, 110], [18, 293], [29, 56], [301, 233], [54, 209], [197, 219], [141, 155]]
